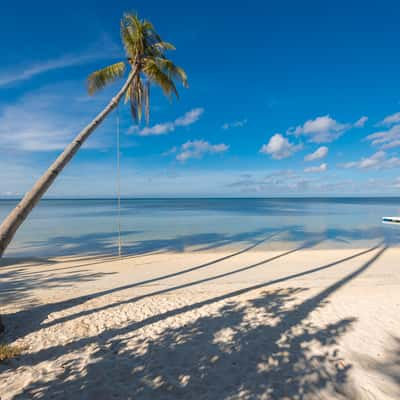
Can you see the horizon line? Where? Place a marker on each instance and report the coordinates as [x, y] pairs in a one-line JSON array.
[[361, 196]]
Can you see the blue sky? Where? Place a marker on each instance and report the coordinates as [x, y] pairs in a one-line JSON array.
[[285, 98]]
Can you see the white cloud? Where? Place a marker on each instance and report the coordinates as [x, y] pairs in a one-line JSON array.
[[190, 117], [36, 69], [320, 168], [361, 122], [321, 152], [288, 182], [320, 130], [324, 129], [279, 147], [282, 181], [104, 49], [187, 119], [235, 124], [158, 129], [40, 121], [386, 139], [391, 119], [198, 148], [378, 160]]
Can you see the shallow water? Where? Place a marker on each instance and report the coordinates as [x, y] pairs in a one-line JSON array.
[[71, 227]]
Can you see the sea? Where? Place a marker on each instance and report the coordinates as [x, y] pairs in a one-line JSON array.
[[74, 227]]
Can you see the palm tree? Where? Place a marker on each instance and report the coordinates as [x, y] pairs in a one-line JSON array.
[[147, 63]]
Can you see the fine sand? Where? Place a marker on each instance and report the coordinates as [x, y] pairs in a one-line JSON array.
[[249, 324]]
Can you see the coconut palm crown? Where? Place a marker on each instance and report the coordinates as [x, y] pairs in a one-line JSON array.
[[144, 50]]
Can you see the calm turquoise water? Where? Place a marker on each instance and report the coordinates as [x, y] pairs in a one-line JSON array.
[[70, 227]]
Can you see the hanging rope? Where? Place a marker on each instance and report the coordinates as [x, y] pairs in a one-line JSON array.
[[118, 187]]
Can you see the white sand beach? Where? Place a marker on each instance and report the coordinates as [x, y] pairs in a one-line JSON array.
[[250, 324]]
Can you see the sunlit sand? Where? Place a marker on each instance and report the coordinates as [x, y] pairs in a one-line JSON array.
[[300, 323]]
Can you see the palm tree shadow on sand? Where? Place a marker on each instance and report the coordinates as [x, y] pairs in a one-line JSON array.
[[35, 317], [265, 346]]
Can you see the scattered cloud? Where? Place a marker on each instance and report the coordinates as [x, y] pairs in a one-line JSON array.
[[158, 129], [320, 168], [93, 53], [360, 123], [187, 119], [235, 124], [289, 182], [320, 130], [279, 147], [391, 119], [321, 152], [39, 121], [199, 148], [378, 160], [324, 129], [190, 117], [386, 139], [280, 181]]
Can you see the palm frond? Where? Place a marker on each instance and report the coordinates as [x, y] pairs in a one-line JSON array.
[[148, 26], [128, 94], [164, 45], [156, 75], [146, 95], [139, 99], [133, 35], [98, 79], [173, 71], [132, 102], [127, 40]]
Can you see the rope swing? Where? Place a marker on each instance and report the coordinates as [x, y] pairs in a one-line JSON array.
[[118, 186]]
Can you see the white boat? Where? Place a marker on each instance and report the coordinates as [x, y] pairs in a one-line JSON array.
[[391, 220]]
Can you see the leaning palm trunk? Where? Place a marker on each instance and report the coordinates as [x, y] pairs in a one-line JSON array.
[[17, 216]]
